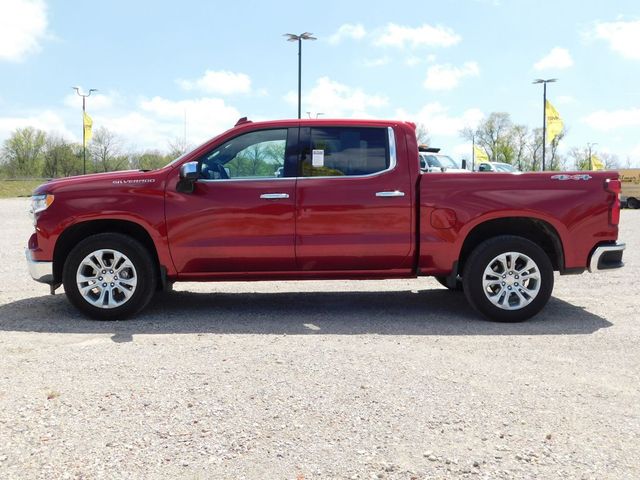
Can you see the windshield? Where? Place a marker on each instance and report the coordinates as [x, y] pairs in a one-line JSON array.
[[440, 161], [504, 167]]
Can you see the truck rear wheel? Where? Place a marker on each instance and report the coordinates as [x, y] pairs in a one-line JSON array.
[[508, 278], [633, 202], [109, 276]]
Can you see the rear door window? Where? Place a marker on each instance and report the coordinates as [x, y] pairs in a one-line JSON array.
[[345, 151]]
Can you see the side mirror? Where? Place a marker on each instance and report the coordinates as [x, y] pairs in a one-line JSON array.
[[189, 171], [482, 168], [188, 175], [464, 164]]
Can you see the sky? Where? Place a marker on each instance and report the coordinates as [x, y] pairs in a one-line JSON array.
[[166, 70]]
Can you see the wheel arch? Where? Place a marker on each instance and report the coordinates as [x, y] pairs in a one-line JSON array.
[[537, 230], [77, 232]]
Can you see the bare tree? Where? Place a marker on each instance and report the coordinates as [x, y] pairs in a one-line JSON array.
[[106, 152], [610, 160], [422, 134], [580, 158], [534, 146], [519, 136], [178, 146], [556, 162]]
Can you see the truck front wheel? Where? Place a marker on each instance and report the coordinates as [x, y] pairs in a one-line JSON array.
[[109, 276], [508, 278]]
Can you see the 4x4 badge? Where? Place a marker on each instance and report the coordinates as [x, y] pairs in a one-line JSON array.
[[582, 176]]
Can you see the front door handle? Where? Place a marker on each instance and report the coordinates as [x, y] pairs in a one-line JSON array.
[[274, 196], [395, 193]]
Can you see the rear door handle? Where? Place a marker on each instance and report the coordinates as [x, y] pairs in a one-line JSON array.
[[395, 193], [274, 196]]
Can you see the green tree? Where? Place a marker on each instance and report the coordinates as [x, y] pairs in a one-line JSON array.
[[580, 158], [149, 160], [493, 135], [22, 153], [60, 158]]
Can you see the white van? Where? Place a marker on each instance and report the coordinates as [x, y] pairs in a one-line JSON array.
[[433, 161]]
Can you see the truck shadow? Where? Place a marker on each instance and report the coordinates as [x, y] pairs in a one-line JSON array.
[[409, 312]]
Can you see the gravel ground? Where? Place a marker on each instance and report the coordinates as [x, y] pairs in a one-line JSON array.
[[305, 380]]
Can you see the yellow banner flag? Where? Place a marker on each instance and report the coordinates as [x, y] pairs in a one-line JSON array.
[[596, 163], [554, 122], [480, 155], [87, 124]]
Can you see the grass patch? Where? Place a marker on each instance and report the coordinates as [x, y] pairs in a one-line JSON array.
[[18, 188]]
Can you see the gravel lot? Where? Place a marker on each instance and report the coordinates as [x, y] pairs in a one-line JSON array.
[[305, 380]]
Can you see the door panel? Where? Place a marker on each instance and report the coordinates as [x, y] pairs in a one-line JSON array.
[[344, 222], [244, 223]]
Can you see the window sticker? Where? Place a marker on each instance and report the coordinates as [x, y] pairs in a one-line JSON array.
[[317, 158]]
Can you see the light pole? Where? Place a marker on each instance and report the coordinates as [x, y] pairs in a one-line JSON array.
[[84, 143], [299, 38], [544, 115], [473, 151], [589, 145]]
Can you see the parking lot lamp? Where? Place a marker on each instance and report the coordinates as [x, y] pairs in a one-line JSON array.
[[298, 38], [84, 143], [544, 115]]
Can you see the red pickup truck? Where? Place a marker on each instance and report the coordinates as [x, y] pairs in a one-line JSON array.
[[320, 199]]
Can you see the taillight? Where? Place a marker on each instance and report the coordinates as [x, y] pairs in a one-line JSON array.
[[614, 186]]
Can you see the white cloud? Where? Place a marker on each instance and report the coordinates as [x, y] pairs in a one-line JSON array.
[[376, 62], [446, 77], [436, 118], [348, 30], [97, 101], [23, 24], [414, 60], [463, 150], [334, 99], [557, 58], [219, 82], [154, 122], [48, 120], [424, 36], [623, 37], [565, 100], [147, 123], [605, 121]]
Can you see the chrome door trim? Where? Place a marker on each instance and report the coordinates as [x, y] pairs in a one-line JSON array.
[[394, 193], [274, 196]]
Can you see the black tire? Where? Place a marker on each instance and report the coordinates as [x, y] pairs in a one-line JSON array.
[[485, 255], [633, 202], [143, 271], [443, 281]]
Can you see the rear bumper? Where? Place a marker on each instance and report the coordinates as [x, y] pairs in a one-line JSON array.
[[39, 271], [606, 257]]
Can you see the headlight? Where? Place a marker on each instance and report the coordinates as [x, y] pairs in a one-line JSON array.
[[39, 203]]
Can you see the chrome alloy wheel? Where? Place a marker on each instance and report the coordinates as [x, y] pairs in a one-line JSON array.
[[106, 278], [511, 281]]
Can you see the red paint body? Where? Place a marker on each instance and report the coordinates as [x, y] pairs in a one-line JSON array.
[[329, 227]]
